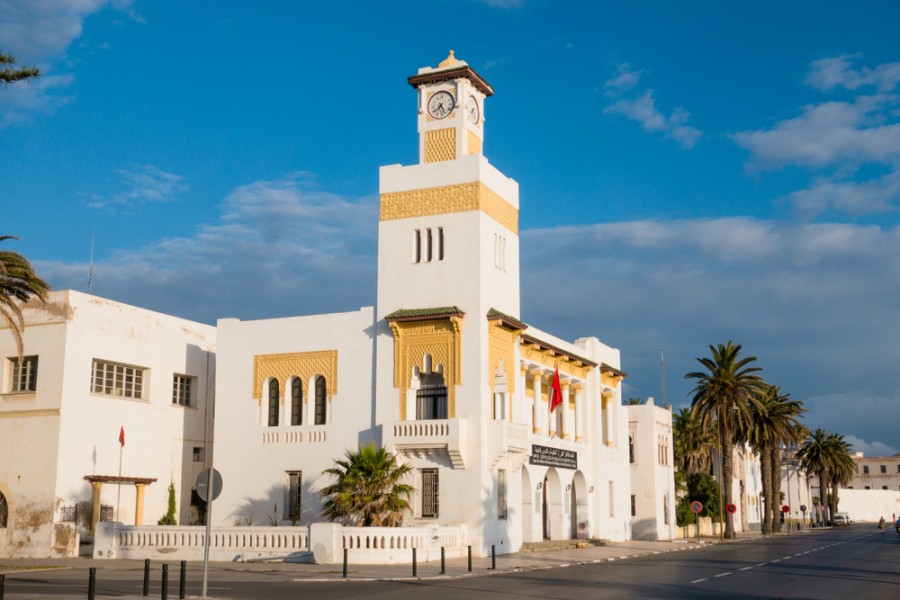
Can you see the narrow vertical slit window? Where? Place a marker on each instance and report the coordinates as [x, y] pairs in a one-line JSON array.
[[292, 501], [501, 494], [418, 241], [430, 246], [440, 243], [429, 493]]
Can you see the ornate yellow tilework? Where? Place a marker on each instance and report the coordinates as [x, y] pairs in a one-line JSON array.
[[447, 199], [304, 365], [442, 340], [502, 344], [440, 145]]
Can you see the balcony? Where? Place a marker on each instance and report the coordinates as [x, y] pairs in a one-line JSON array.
[[509, 442], [434, 437]]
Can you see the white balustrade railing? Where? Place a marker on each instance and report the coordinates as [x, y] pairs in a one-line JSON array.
[[365, 545]]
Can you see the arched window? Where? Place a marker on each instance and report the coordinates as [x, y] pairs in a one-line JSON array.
[[431, 397], [320, 400], [4, 511], [296, 402], [273, 403]]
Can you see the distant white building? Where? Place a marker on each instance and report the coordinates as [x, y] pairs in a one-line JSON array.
[[93, 369], [441, 370], [650, 454], [876, 473]]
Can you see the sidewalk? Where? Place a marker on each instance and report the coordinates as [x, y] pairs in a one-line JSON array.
[[455, 568]]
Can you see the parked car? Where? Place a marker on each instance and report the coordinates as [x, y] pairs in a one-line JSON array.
[[840, 520]]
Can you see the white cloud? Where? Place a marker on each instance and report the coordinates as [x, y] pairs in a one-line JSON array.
[[279, 248], [643, 110], [831, 134], [870, 449], [867, 197], [626, 79], [143, 184], [37, 33], [828, 73]]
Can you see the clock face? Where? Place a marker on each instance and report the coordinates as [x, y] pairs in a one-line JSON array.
[[440, 105], [472, 110]]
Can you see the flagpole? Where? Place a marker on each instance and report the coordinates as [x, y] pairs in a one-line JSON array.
[[119, 492]]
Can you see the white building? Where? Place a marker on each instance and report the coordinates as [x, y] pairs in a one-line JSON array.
[[876, 473], [441, 370], [93, 369], [650, 454]]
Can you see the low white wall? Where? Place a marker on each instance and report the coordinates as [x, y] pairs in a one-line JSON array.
[[114, 540], [365, 545], [869, 505]]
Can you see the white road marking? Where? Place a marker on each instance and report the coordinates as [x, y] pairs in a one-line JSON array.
[[776, 560], [722, 574], [762, 564], [700, 580], [746, 568]]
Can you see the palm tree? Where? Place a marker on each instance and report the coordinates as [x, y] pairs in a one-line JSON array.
[[18, 284], [827, 455], [634, 402], [842, 468], [693, 444], [722, 399], [787, 430], [367, 490]]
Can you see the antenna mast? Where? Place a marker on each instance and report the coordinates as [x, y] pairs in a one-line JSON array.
[[91, 270], [662, 366]]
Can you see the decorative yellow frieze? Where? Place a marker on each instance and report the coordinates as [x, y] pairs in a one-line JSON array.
[[440, 145], [474, 143], [304, 365], [550, 360], [439, 338], [448, 199], [610, 379]]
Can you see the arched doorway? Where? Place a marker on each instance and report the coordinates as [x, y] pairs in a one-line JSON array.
[[578, 507], [551, 509]]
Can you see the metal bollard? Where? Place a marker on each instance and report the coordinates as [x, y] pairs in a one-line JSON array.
[[164, 593], [470, 559], [345, 564], [92, 582], [146, 577], [443, 563], [414, 562], [183, 580], [493, 557]]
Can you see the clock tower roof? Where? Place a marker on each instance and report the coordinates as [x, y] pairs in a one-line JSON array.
[[447, 70]]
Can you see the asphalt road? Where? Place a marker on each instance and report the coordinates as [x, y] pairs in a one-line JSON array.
[[845, 563]]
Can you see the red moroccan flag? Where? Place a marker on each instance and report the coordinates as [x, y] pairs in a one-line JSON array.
[[122, 435], [555, 391]]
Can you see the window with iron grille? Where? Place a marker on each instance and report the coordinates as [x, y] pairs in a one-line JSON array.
[[68, 514], [274, 398], [296, 402], [106, 512], [321, 399], [429, 493], [502, 511], [181, 390], [292, 501], [431, 402], [23, 375], [115, 379]]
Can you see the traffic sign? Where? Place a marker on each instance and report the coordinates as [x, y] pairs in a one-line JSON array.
[[696, 506], [803, 508], [204, 482], [785, 508], [731, 509]]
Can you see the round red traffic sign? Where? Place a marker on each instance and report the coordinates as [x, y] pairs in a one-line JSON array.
[[785, 508], [696, 506], [731, 509]]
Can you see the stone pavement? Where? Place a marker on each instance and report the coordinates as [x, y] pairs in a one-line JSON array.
[[455, 568]]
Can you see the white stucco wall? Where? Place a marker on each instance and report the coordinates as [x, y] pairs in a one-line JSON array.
[[65, 432]]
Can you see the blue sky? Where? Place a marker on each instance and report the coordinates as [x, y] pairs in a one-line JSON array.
[[690, 172]]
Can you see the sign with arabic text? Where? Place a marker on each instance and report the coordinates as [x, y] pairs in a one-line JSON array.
[[553, 457]]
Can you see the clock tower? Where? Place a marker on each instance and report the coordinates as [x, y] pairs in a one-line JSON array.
[[451, 110]]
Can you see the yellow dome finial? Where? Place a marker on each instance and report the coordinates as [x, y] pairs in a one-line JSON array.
[[450, 60]]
